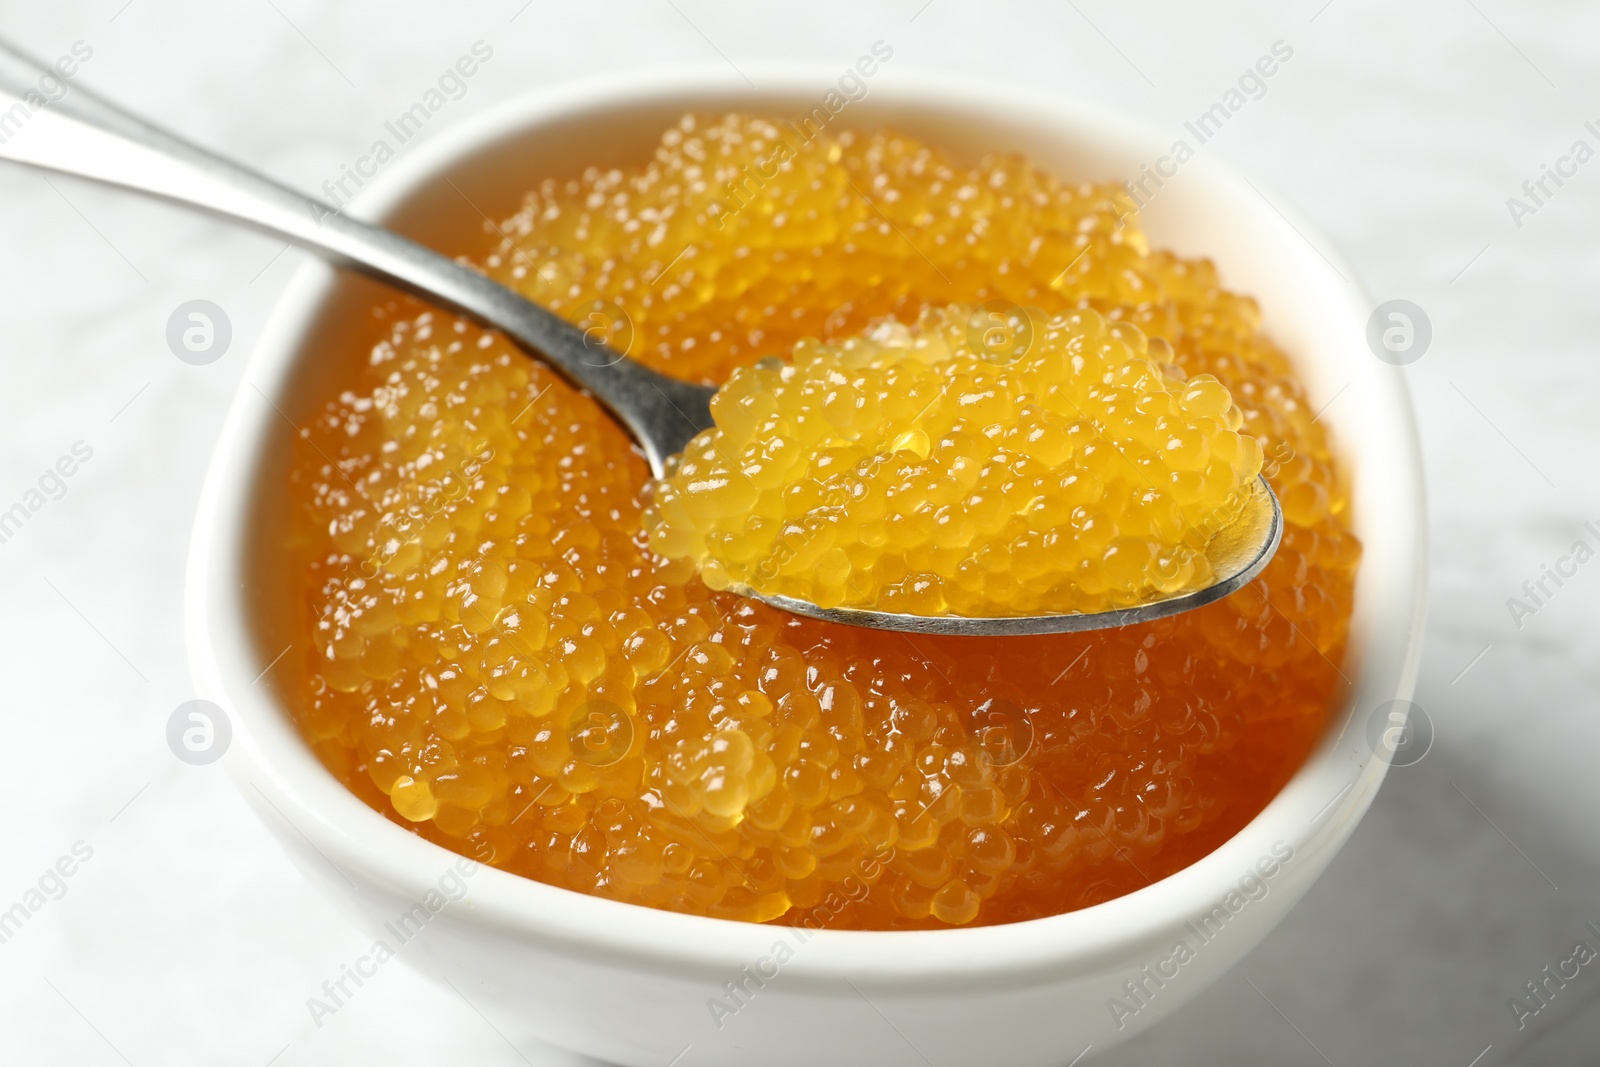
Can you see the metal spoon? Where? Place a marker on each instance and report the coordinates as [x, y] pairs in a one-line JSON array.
[[81, 135]]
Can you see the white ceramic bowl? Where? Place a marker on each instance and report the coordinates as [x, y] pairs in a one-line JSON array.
[[637, 986]]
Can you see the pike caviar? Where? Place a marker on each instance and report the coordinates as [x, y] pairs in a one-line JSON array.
[[914, 471], [495, 658]]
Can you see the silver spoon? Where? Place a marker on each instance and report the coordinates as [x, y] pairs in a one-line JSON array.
[[81, 135]]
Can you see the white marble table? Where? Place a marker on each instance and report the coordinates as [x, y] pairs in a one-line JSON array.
[[1401, 129]]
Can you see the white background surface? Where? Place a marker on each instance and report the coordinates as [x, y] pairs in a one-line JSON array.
[[1399, 129]]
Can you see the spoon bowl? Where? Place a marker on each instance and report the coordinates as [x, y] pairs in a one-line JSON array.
[[1238, 552]]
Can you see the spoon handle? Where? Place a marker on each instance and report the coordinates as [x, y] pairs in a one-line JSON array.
[[48, 123]]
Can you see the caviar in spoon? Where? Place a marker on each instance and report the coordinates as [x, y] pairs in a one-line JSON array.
[[918, 473]]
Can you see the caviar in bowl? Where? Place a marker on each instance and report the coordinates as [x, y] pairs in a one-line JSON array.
[[637, 985]]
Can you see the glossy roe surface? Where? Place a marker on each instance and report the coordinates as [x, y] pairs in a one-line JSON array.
[[1069, 468]]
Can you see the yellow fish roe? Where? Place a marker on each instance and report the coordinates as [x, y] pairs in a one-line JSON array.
[[913, 471], [495, 657]]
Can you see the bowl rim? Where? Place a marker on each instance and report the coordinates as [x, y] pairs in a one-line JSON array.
[[1337, 781]]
